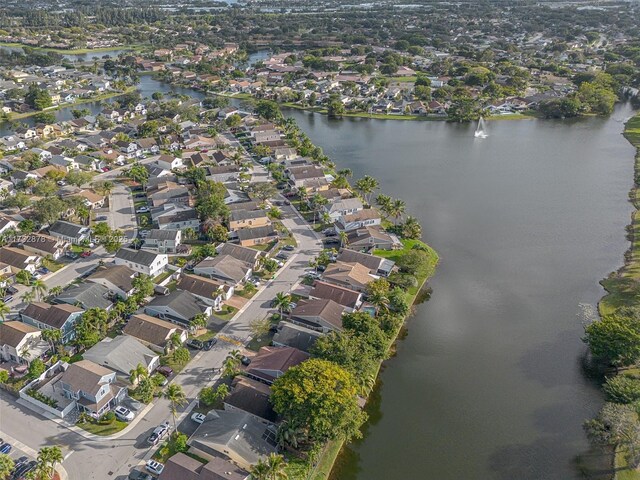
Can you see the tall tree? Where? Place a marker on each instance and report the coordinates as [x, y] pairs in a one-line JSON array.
[[177, 398]]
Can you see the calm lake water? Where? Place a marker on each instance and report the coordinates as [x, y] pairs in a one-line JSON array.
[[488, 383]]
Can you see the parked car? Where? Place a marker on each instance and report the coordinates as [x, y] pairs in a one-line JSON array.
[[255, 281], [208, 345], [321, 268], [159, 433], [288, 248], [312, 274], [36, 275], [101, 218], [154, 467], [123, 413], [193, 343], [143, 210], [61, 183], [331, 241], [330, 232], [164, 370], [72, 255], [245, 360], [85, 254], [282, 255], [198, 417], [5, 448], [24, 470], [20, 462], [138, 475]]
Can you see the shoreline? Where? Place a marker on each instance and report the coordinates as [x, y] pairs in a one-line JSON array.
[[331, 451], [77, 51], [622, 287]]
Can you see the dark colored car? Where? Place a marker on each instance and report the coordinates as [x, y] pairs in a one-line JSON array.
[[288, 248], [164, 370], [208, 345], [195, 344], [282, 256], [5, 448], [245, 360], [72, 255], [23, 470], [138, 475]]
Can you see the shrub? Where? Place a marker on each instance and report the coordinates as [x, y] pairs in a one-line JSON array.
[[108, 418], [622, 389]]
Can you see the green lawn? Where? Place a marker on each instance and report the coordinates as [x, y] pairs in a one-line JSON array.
[[226, 314], [622, 470], [256, 343], [162, 276], [623, 287], [411, 78], [206, 336], [103, 430], [52, 265], [244, 294]]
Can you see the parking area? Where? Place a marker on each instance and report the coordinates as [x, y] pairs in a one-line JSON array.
[[24, 458]]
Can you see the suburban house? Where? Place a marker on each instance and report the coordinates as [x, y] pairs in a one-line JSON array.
[[69, 232], [346, 297], [86, 296], [19, 259], [142, 261], [169, 162], [249, 237], [234, 434], [250, 256], [174, 217], [122, 354], [272, 362], [296, 336], [92, 387], [376, 265], [179, 306], [363, 218], [163, 241], [210, 291], [117, 278], [320, 314], [370, 238], [225, 268], [184, 467], [252, 397], [20, 343], [45, 245], [342, 207], [248, 219], [152, 332], [308, 176], [349, 275], [7, 223], [53, 317]]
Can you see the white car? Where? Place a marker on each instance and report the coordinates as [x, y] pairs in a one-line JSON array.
[[142, 210], [198, 417], [123, 414], [312, 274], [154, 467], [61, 183]]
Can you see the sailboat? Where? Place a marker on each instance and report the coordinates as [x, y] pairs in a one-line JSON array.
[[481, 129]]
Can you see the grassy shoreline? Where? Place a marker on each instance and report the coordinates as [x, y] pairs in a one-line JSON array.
[[332, 449], [623, 286], [77, 51]]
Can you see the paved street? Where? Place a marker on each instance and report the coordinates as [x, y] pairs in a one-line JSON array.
[[89, 459]]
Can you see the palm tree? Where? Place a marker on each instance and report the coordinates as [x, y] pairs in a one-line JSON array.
[[198, 321], [366, 186], [276, 466], [411, 228], [379, 300], [4, 310], [282, 302], [175, 340], [260, 471], [135, 374], [177, 398], [52, 336], [189, 233], [326, 218], [365, 384], [6, 465], [28, 296], [55, 291], [397, 209], [48, 457], [345, 172], [344, 239], [384, 202], [39, 288]]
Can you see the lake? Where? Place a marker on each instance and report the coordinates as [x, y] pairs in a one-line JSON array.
[[488, 383]]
